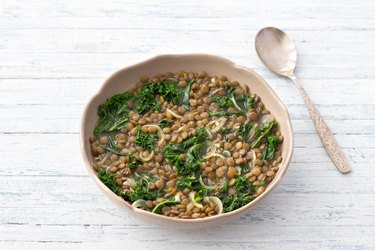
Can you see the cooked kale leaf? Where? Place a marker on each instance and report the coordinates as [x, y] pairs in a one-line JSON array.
[[269, 151], [223, 101], [246, 102], [189, 181], [233, 202], [163, 123], [185, 95], [146, 101], [145, 140], [263, 132], [193, 147], [229, 89], [112, 146], [242, 185], [141, 190], [192, 182], [244, 130], [244, 189], [134, 162], [108, 180], [170, 202], [224, 113], [113, 113], [225, 132]]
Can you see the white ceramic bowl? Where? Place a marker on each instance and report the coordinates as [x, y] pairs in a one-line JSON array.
[[126, 78]]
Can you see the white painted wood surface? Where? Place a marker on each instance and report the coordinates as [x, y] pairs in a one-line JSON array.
[[54, 55]]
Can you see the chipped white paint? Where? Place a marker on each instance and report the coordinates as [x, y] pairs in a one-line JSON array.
[[54, 56]]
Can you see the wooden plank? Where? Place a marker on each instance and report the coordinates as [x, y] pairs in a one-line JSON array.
[[165, 244], [279, 208], [89, 65], [124, 41], [137, 22], [216, 237], [182, 10]]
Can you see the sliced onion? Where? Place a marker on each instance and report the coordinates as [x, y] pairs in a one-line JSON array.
[[204, 185], [130, 182], [139, 203], [254, 155], [174, 114], [107, 169], [218, 124], [192, 197], [235, 104], [149, 157], [215, 91], [179, 130], [160, 132], [239, 170], [236, 126], [267, 118], [172, 79], [222, 182], [177, 197], [99, 160], [252, 132], [168, 168], [211, 150], [218, 155], [251, 164], [215, 200]]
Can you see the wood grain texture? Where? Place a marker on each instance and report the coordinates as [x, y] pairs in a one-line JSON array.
[[54, 55]]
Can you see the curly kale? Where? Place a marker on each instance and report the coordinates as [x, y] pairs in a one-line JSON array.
[[163, 123], [246, 102], [224, 113], [145, 140], [263, 132], [194, 148], [223, 101], [233, 202], [109, 181], [244, 130], [170, 202], [113, 114], [134, 162], [269, 151], [184, 96], [146, 101]]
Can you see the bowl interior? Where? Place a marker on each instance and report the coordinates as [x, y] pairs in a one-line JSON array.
[[126, 78]]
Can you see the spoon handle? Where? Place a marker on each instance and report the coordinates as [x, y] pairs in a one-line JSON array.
[[329, 142]]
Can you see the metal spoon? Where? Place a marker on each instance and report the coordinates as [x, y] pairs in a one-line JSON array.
[[277, 51]]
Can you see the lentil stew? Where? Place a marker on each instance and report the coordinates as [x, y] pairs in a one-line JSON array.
[[186, 145]]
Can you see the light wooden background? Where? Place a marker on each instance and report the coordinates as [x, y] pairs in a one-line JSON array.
[[54, 55]]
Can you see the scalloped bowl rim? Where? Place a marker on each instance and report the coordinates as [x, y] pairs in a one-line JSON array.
[[161, 219]]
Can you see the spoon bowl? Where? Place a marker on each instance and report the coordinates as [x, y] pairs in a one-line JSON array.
[[276, 50]]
